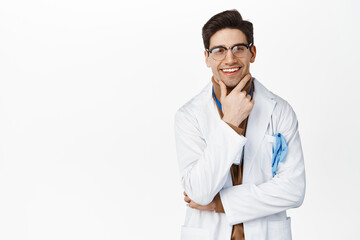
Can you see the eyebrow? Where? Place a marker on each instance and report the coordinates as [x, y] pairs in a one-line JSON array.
[[225, 47]]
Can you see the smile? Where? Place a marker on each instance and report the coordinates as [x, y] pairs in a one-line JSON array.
[[230, 70]]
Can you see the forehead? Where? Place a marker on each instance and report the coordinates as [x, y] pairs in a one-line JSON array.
[[227, 37]]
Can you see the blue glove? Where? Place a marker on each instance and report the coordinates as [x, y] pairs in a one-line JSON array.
[[279, 152]]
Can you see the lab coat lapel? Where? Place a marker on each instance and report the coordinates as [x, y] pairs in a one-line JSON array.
[[259, 119]]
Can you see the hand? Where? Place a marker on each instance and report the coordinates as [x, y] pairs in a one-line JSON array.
[[238, 104], [192, 204]]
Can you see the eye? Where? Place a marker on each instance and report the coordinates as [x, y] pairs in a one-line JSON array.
[[218, 51], [239, 49]]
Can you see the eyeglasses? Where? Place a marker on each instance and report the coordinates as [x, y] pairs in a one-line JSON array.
[[219, 53]]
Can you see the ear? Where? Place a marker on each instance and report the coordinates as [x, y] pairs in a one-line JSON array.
[[207, 58], [253, 54]]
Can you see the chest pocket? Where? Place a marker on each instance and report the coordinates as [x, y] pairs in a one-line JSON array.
[[267, 149]]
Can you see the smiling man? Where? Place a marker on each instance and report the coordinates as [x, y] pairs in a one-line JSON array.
[[238, 146]]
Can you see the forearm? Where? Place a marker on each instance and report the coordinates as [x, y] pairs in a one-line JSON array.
[[259, 201]]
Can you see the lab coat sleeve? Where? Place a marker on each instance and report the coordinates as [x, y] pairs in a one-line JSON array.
[[285, 190], [205, 164]]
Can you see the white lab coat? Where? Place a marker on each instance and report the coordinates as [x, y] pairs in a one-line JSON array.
[[206, 149]]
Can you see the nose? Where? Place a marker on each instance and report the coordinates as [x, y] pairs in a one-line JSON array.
[[229, 57]]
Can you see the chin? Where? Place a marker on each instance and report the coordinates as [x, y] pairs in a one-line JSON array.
[[231, 84]]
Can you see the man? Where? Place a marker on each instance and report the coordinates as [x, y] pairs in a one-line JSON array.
[[238, 145]]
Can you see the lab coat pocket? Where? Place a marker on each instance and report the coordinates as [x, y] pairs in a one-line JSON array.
[[193, 233], [266, 156], [279, 229]]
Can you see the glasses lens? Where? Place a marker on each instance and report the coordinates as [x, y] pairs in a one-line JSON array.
[[239, 51], [218, 53]]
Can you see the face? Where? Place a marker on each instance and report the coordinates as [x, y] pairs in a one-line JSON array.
[[224, 69]]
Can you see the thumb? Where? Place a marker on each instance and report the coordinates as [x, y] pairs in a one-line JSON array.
[[223, 91]]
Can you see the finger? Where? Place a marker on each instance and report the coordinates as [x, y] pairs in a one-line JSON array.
[[223, 91], [192, 204], [185, 193], [187, 199], [242, 83]]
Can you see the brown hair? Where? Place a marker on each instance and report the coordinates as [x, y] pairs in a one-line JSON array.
[[227, 19]]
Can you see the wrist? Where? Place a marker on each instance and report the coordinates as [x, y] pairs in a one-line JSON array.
[[231, 121], [213, 206]]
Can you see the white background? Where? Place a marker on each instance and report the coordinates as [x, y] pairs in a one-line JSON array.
[[88, 92]]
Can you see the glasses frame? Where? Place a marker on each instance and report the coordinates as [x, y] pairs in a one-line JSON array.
[[227, 48]]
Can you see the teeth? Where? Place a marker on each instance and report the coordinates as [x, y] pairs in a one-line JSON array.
[[230, 69]]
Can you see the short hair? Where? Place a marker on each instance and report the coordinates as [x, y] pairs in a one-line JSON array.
[[227, 19]]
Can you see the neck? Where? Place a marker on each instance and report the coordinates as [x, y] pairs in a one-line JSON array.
[[217, 89]]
